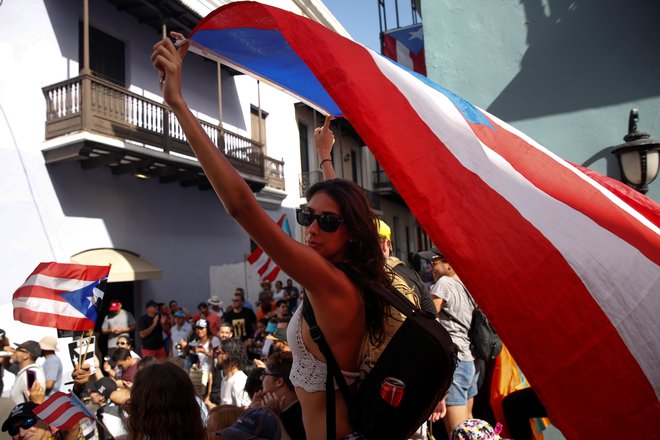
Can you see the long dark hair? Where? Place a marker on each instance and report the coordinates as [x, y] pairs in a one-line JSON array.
[[163, 405], [236, 354], [362, 252]]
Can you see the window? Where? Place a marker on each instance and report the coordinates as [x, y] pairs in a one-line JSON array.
[[106, 55], [304, 147], [258, 128]]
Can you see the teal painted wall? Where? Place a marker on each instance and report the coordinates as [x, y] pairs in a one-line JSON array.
[[566, 73]]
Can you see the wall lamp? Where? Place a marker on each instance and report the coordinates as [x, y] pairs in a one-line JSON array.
[[638, 156]]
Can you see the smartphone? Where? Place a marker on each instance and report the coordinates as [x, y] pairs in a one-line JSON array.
[[31, 377]]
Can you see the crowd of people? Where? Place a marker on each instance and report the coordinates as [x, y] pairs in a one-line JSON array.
[[235, 366], [254, 370]]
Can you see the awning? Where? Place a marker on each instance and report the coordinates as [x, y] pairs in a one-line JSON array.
[[126, 265]]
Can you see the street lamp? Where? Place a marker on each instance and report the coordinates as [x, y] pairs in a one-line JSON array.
[[638, 156]]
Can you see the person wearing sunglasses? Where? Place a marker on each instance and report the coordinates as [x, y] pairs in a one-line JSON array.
[[22, 423], [339, 227]]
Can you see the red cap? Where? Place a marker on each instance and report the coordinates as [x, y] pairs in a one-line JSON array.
[[114, 306]]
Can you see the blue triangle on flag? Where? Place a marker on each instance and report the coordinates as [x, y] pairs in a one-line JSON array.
[[84, 300]]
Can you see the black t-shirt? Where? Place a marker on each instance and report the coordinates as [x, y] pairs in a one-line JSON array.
[[242, 322], [154, 340], [293, 422], [294, 294]]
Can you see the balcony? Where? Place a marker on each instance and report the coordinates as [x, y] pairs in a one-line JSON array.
[[383, 187], [132, 134]]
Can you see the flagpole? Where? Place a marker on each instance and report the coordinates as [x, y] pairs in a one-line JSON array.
[[81, 357], [245, 273]]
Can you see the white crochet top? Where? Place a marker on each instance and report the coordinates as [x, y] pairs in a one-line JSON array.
[[307, 372]]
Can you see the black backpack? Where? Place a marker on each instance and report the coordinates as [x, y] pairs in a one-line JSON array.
[[420, 354], [485, 343]]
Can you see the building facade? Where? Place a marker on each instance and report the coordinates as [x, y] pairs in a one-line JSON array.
[[96, 170]]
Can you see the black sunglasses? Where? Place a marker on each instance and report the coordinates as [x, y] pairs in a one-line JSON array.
[[328, 222], [29, 423]]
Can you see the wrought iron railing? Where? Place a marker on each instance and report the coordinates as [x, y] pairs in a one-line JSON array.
[[274, 173], [308, 179], [90, 103], [381, 181]]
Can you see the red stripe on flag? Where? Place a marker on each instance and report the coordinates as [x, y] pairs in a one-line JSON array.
[[51, 320], [38, 292], [57, 406], [561, 337], [642, 204], [73, 271], [563, 341], [264, 267], [544, 173], [389, 47], [254, 256], [272, 274]]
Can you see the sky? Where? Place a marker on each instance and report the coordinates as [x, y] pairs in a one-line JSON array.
[[360, 18]]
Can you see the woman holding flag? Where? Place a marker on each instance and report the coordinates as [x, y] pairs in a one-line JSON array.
[[339, 228]]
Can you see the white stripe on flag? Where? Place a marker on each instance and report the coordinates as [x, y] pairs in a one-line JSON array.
[[53, 406], [617, 201], [403, 55], [66, 415], [607, 265], [63, 284], [262, 264], [43, 305]]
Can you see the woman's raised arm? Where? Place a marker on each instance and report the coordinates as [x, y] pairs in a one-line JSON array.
[[301, 262]]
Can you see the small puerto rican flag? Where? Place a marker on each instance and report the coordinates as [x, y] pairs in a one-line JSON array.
[[406, 47], [63, 411], [266, 268], [63, 296]]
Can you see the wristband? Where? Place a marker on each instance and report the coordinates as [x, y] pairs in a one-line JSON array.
[[324, 161]]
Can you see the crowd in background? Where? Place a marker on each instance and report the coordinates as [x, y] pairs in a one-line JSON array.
[[231, 363]]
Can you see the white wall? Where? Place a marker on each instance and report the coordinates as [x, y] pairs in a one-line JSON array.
[[51, 213]]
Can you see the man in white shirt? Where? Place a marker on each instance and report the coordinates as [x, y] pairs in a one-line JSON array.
[[181, 331], [26, 370], [232, 389]]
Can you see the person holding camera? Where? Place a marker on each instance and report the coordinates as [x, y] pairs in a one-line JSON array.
[[203, 348], [150, 330]]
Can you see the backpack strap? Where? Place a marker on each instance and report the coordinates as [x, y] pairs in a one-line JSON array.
[[390, 295], [455, 319], [393, 298], [333, 372]]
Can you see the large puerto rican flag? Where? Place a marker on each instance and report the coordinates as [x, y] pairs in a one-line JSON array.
[[566, 267], [59, 295]]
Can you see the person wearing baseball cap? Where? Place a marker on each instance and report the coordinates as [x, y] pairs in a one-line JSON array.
[[257, 424], [455, 309], [23, 365], [24, 423], [118, 322], [52, 366], [108, 413], [181, 332]]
